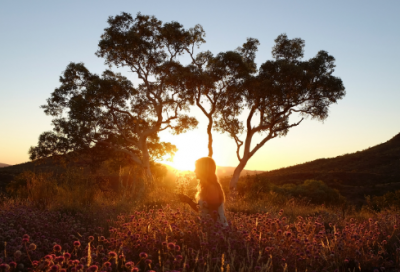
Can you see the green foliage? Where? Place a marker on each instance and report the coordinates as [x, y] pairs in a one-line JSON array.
[[253, 186], [311, 191], [389, 200], [316, 191]]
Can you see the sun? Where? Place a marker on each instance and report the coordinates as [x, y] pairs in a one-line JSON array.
[[190, 148]]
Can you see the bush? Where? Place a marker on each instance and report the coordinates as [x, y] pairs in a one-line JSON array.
[[390, 200], [316, 191], [253, 187]]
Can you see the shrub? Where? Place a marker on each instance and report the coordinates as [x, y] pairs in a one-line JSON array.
[[316, 191], [38, 188], [389, 200]]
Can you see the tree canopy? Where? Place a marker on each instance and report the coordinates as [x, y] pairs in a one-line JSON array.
[[108, 112], [107, 115], [270, 97], [216, 80]]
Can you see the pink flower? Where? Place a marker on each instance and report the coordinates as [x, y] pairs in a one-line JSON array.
[[57, 248], [25, 238], [129, 265], [54, 268], [171, 246], [93, 268], [4, 267]]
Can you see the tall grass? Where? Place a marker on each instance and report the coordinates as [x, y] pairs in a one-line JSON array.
[[104, 226]]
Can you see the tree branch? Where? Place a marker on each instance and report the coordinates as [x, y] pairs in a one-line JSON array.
[[271, 134]]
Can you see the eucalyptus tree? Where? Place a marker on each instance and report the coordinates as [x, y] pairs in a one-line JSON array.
[[283, 89], [108, 111], [216, 83]]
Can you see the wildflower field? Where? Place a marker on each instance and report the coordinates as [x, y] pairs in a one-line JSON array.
[[165, 235]]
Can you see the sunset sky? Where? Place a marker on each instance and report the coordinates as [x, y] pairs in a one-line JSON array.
[[40, 38]]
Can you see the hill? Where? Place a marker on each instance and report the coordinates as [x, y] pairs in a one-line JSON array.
[[7, 173], [3, 165], [223, 171], [373, 171]]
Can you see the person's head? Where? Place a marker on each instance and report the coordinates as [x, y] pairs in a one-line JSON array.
[[209, 188], [205, 168]]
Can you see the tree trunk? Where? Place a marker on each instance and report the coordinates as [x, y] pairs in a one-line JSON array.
[[146, 162], [210, 138], [242, 163], [236, 175], [147, 175]]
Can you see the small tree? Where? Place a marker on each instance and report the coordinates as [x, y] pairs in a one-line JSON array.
[[282, 87], [108, 112]]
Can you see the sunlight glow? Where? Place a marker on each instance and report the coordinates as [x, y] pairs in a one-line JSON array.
[[189, 150]]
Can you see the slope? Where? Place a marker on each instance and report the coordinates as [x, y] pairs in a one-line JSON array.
[[373, 171]]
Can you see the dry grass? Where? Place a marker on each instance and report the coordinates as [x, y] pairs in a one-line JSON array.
[[266, 231]]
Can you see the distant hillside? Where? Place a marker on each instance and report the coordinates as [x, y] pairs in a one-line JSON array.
[[48, 165], [7, 173], [373, 171], [223, 171], [3, 165], [228, 171]]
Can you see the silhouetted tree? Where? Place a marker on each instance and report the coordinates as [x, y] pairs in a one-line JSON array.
[[107, 112], [282, 87], [216, 83]]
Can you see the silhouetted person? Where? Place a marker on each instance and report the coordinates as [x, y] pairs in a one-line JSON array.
[[210, 196]]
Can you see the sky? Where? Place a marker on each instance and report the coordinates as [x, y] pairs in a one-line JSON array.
[[40, 38]]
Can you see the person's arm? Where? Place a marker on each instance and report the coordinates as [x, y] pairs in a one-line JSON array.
[[188, 200]]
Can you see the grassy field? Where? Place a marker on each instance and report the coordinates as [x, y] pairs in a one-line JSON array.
[[70, 223]]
